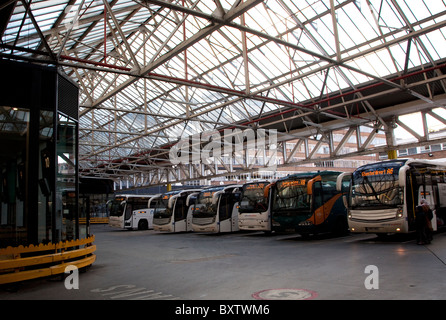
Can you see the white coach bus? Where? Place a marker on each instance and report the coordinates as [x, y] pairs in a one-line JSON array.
[[129, 211], [216, 209], [254, 212], [383, 196], [173, 211]]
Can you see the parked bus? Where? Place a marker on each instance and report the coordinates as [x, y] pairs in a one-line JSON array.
[[383, 196], [216, 209], [173, 213], [254, 212], [308, 203], [131, 212]]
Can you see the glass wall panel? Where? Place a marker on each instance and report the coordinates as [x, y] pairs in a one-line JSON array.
[[14, 137], [38, 156], [67, 217], [46, 176]]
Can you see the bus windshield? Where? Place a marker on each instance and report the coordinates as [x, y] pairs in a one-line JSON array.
[[161, 208], [117, 207], [376, 187], [292, 195], [204, 206], [253, 198]]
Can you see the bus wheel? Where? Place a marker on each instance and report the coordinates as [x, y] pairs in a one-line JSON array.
[[143, 225], [305, 235]]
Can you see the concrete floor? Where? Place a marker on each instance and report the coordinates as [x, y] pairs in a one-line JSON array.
[[148, 265]]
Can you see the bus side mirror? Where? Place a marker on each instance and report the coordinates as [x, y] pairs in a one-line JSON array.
[[340, 180], [215, 197], [344, 199], [310, 184], [149, 203], [190, 197], [266, 190], [170, 202], [402, 175]]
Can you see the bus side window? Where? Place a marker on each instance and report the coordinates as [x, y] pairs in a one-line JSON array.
[[329, 191], [140, 205], [317, 194], [128, 210]]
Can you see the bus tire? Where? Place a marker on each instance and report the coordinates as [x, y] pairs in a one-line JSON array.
[[143, 225], [305, 235]]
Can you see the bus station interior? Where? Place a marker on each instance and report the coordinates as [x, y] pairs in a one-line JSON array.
[[100, 98]]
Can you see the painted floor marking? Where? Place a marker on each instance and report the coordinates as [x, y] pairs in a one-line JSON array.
[[285, 294]]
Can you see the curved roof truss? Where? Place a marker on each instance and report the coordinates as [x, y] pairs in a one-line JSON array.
[[153, 72]]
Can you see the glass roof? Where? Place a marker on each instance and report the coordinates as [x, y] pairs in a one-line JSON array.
[[152, 71]]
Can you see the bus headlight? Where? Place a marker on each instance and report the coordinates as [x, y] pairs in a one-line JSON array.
[[399, 213], [305, 223]]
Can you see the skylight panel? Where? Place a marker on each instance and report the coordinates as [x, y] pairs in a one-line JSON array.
[[416, 10], [435, 43]]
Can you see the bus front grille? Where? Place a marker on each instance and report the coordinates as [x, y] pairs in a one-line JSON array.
[[203, 221], [372, 216], [161, 221]]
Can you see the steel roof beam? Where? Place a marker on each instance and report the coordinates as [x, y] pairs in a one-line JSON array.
[[356, 120], [206, 31]]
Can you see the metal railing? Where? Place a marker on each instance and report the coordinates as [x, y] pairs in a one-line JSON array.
[[43, 260], [94, 220]]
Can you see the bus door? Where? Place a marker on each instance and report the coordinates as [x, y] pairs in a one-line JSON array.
[[128, 213], [179, 214], [314, 190], [426, 192], [228, 212], [318, 207], [235, 205], [224, 212]]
